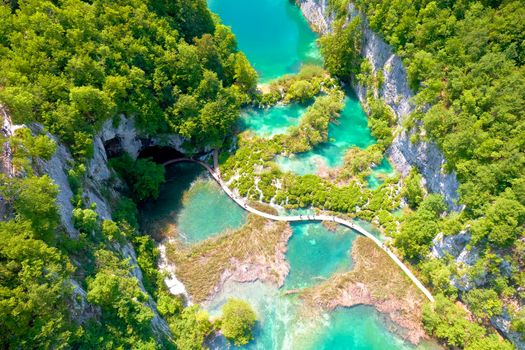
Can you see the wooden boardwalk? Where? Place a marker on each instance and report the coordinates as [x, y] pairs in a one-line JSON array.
[[308, 218]]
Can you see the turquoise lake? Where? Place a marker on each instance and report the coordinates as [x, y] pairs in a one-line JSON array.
[[272, 34], [191, 205], [277, 40]]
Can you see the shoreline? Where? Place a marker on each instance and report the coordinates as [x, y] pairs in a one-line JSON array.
[[373, 281]]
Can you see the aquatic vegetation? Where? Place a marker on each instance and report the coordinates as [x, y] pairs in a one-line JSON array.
[[310, 81], [374, 280], [255, 245]]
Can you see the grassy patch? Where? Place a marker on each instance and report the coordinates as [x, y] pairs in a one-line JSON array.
[[201, 266], [372, 268]]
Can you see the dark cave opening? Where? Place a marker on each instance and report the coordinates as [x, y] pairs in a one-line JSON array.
[[160, 154]]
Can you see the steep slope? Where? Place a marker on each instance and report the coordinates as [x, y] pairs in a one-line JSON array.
[[395, 91]]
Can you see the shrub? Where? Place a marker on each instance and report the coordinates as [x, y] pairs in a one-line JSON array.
[[237, 321]]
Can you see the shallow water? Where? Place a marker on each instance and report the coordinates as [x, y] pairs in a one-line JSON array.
[[351, 129], [272, 34], [311, 244], [285, 324], [267, 122], [383, 170], [356, 328], [192, 206]]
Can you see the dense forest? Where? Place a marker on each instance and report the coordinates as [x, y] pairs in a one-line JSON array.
[[465, 61], [70, 65], [67, 66]]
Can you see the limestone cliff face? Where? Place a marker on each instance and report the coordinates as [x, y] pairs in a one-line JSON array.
[[396, 93], [123, 135], [99, 188], [404, 154]]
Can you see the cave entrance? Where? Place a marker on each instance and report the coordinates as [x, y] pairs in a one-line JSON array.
[[113, 147], [160, 154]]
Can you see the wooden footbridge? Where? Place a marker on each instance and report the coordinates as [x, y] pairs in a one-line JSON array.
[[307, 218]]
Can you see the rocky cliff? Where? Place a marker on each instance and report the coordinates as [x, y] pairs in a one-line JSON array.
[[396, 93], [405, 154], [100, 187]]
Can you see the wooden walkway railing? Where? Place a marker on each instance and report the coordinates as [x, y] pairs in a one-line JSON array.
[[308, 218]]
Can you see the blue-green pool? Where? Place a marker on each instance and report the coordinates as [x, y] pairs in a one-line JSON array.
[[267, 122], [191, 205], [351, 129], [357, 328], [272, 33], [311, 244], [379, 173]]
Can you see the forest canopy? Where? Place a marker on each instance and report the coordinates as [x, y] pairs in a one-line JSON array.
[[71, 65]]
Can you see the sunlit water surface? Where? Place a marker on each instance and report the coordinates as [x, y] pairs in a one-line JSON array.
[[191, 206]]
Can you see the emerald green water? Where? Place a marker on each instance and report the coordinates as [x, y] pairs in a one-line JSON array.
[[379, 173], [272, 34], [267, 122], [367, 332], [312, 243], [351, 129], [191, 205]]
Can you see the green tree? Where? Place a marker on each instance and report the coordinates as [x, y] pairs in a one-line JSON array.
[[484, 302], [195, 18], [447, 321], [34, 285], [110, 230], [518, 322], [143, 176], [35, 201], [301, 91], [148, 176], [93, 104], [341, 48], [502, 224], [118, 293], [419, 228], [85, 220], [237, 321], [21, 103], [40, 146], [245, 75], [492, 342], [190, 328], [413, 190]]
